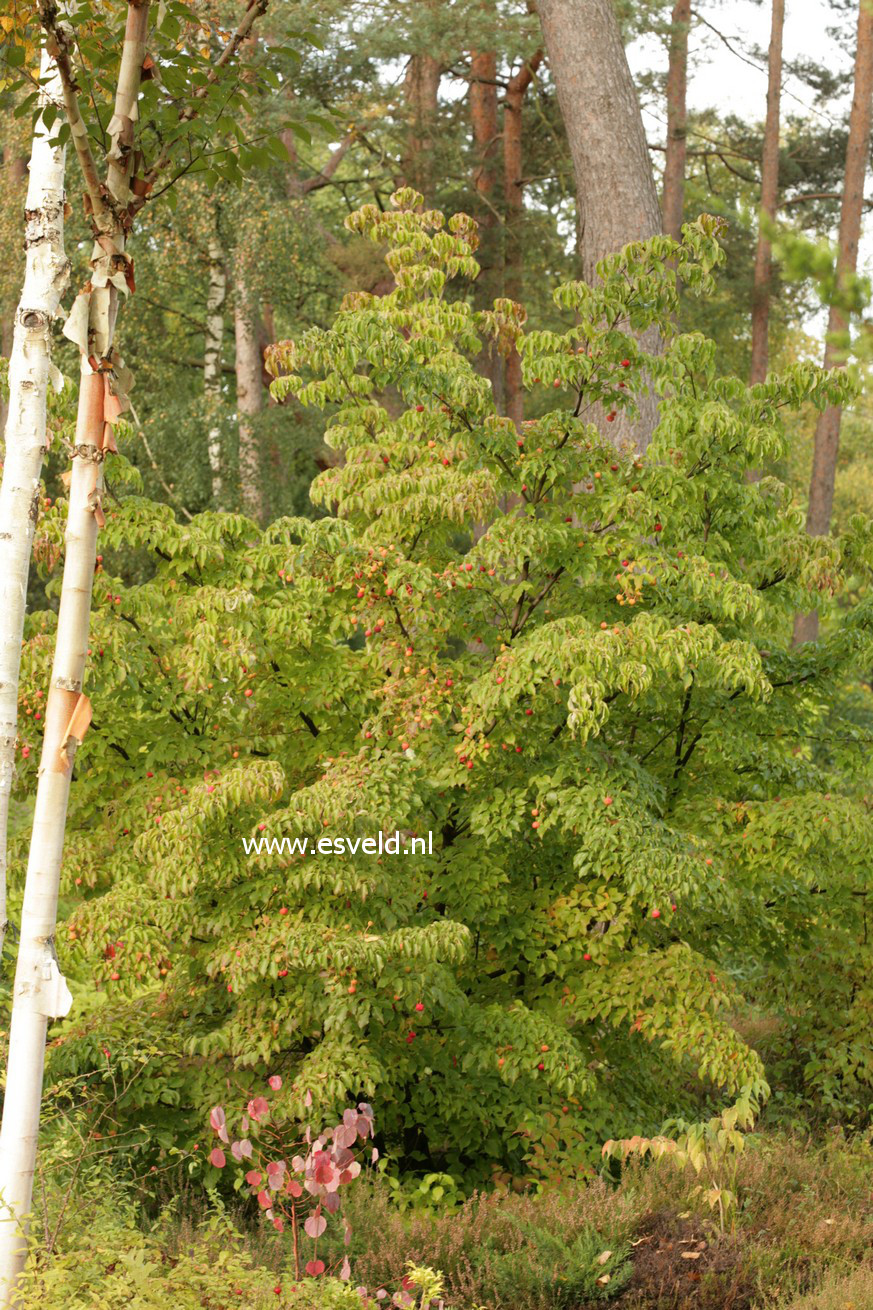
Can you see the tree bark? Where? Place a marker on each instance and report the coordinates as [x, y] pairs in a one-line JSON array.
[[249, 396], [677, 116], [615, 190], [39, 991], [15, 166], [45, 278], [769, 201], [215, 301], [827, 432], [489, 283], [513, 264], [421, 88]]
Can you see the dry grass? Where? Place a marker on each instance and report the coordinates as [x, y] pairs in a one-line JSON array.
[[805, 1214]]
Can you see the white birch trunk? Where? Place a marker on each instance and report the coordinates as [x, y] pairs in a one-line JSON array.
[[45, 278], [40, 992], [249, 398], [215, 299]]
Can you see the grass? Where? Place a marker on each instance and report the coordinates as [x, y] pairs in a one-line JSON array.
[[799, 1238]]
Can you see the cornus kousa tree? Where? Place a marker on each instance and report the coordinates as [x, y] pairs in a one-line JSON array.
[[571, 665]]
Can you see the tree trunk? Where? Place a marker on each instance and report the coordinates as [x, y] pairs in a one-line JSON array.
[[489, 283], [615, 189], [249, 397], [827, 432], [769, 201], [15, 166], [677, 115], [421, 87], [215, 300], [513, 262], [40, 992], [45, 278]]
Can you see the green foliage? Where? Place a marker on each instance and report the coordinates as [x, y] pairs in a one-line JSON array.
[[569, 663], [559, 1272]]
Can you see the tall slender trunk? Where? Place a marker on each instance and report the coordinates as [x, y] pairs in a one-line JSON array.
[[15, 167], [673, 203], [40, 992], [45, 277], [769, 201], [513, 265], [249, 396], [827, 432], [215, 300], [615, 188], [421, 87], [489, 283]]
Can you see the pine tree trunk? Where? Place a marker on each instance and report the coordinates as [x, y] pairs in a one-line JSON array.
[[827, 432], [513, 260], [215, 300], [615, 189], [421, 87], [489, 283], [677, 115], [769, 201], [39, 991], [249, 397], [45, 278]]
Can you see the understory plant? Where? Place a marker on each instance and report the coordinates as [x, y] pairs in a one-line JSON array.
[[569, 663]]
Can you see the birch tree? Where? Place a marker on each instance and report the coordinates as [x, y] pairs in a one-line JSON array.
[[112, 202], [30, 370], [214, 334]]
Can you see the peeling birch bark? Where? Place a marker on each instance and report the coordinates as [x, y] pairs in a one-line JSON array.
[[215, 300], [249, 397], [30, 370], [39, 992]]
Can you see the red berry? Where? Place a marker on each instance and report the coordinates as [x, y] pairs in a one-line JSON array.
[[419, 1006], [656, 914], [625, 363]]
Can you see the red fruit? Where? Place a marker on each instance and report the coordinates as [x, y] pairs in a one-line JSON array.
[[150, 775], [625, 363], [230, 987], [261, 827], [535, 824], [248, 692], [607, 800], [419, 409], [284, 910], [556, 382], [361, 593], [283, 973], [657, 527], [419, 1006], [656, 914], [586, 956], [410, 1038], [541, 1066], [610, 418], [115, 976], [528, 713], [518, 750]]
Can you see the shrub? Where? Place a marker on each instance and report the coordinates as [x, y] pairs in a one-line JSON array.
[[569, 662]]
